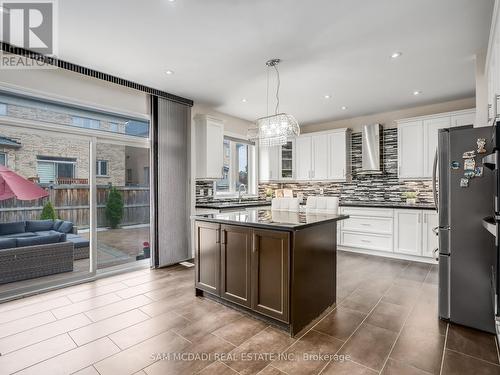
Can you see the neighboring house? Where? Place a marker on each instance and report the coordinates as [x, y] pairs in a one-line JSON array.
[[56, 160]]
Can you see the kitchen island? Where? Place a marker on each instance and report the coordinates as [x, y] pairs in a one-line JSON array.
[[279, 266]]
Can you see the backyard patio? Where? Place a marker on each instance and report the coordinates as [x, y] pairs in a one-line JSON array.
[[115, 247]]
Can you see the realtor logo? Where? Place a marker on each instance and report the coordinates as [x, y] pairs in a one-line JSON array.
[[30, 25]]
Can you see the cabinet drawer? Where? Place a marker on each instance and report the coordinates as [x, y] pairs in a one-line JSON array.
[[380, 225], [367, 241], [370, 212]]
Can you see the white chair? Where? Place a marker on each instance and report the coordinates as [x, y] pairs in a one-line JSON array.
[[285, 204], [322, 205]]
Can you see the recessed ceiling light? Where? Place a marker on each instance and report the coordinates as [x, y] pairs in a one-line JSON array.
[[169, 72], [417, 92], [171, 1], [327, 96], [244, 100], [395, 55], [343, 108]]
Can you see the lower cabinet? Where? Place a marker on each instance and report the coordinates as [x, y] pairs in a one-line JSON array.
[[270, 259], [430, 238], [207, 252], [236, 252], [408, 232], [246, 266], [405, 231]]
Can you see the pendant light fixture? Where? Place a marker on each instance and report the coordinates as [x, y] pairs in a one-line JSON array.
[[274, 130]]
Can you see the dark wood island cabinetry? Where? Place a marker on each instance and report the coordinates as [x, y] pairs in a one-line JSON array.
[[278, 265]]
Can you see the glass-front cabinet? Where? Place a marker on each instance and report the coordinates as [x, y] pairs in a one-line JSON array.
[[287, 160]]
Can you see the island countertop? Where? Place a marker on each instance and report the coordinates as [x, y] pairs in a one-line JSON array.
[[268, 219]]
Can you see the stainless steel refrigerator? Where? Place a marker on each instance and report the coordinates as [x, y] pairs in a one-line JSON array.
[[467, 251]]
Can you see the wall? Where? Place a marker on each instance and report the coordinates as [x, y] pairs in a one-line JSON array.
[[232, 124], [387, 119], [365, 188]]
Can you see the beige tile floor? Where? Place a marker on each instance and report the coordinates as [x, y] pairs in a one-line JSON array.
[[385, 322]]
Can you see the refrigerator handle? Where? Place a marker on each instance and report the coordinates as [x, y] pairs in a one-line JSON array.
[[434, 180]]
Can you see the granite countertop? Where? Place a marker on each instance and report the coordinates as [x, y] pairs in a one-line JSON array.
[[267, 219], [234, 204], [417, 206]]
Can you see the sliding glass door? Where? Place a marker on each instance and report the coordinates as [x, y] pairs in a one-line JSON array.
[[123, 205], [95, 170]]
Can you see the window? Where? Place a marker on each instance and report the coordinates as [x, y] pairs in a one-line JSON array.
[[52, 169], [3, 109], [129, 175], [87, 123], [102, 168], [3, 158], [238, 168]]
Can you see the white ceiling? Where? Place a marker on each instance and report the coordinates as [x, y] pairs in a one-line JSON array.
[[217, 49]]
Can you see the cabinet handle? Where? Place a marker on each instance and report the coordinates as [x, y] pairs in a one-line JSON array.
[[425, 219], [217, 236], [366, 225], [223, 237], [366, 241]]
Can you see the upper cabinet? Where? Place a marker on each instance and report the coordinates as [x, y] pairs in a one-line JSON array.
[[411, 150], [418, 141], [209, 157], [323, 156], [269, 163], [304, 158], [287, 160]]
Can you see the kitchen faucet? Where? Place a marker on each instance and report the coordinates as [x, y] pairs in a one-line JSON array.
[[239, 192]]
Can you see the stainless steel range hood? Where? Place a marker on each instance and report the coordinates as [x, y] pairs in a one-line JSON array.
[[371, 150]]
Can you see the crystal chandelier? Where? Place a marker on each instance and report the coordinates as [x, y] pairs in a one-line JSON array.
[[274, 130]]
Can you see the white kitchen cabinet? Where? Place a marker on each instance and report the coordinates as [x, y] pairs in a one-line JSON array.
[[430, 239], [463, 119], [408, 231], [319, 157], [323, 156], [209, 133], [418, 140], [338, 150], [431, 128], [303, 163], [287, 158], [269, 160], [411, 150]]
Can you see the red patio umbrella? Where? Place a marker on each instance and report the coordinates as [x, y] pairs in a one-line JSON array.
[[14, 186]]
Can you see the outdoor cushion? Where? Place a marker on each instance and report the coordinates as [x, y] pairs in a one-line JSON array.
[[47, 232], [39, 225], [66, 227], [39, 240], [11, 228], [71, 235], [79, 242], [57, 224], [7, 243], [19, 235]]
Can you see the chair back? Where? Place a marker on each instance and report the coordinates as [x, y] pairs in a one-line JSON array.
[[322, 205], [285, 204]]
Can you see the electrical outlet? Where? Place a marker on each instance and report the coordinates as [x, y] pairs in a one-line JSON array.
[[202, 192], [209, 192], [321, 191]]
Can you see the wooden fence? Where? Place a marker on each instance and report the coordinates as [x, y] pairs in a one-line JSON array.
[[72, 203]]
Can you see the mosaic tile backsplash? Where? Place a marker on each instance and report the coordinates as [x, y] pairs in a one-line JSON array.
[[363, 188]]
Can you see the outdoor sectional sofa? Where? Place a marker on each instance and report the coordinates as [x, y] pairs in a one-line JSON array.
[[35, 248]]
